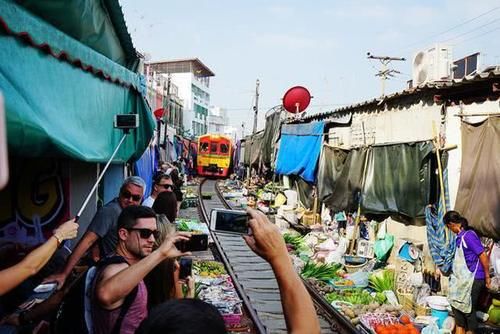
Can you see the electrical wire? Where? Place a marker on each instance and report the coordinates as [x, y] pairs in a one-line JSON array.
[[468, 32], [449, 29], [477, 36]]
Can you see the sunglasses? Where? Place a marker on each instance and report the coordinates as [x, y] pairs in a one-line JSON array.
[[145, 233], [167, 186], [126, 194]]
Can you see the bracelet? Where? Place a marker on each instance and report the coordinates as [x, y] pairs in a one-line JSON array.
[[58, 238]]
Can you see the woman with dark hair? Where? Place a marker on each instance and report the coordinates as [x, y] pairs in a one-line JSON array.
[[166, 204], [163, 281], [470, 272]]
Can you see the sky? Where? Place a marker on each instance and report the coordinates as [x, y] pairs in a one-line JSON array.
[[318, 44]]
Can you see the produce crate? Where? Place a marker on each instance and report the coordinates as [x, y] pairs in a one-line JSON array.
[[406, 300]]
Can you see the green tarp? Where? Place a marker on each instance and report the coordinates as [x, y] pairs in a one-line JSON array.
[[331, 163], [64, 105], [340, 194], [253, 147], [397, 179], [271, 134], [95, 23]]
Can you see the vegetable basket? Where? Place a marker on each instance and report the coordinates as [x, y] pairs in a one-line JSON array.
[[422, 310], [352, 268], [406, 300]]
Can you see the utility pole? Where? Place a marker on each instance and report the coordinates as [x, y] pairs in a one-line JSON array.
[[242, 130], [385, 73], [256, 106]]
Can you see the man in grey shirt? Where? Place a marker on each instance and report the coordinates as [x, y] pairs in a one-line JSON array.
[[102, 228]]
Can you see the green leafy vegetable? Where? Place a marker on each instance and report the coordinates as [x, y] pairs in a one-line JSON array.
[[294, 239], [182, 226], [324, 272], [354, 296], [382, 280]]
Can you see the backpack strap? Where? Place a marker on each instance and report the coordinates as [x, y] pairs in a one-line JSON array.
[[129, 299]]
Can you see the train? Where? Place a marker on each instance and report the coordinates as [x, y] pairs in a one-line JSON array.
[[215, 154]]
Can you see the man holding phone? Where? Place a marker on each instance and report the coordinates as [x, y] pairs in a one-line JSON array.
[[266, 241], [137, 231]]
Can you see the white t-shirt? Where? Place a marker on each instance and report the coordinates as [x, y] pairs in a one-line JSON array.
[[148, 202]]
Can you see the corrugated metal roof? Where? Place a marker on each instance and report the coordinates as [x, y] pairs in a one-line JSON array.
[[493, 73]]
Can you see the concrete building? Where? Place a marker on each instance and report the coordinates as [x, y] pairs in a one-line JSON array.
[[192, 78], [217, 120]]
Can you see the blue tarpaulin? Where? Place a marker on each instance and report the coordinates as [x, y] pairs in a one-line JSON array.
[[145, 168], [299, 150]]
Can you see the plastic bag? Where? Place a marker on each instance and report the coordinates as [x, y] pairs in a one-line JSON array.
[[383, 246], [432, 328]]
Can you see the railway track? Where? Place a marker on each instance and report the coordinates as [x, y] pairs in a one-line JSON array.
[[255, 281]]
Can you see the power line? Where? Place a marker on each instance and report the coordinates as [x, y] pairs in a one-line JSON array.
[[267, 108], [450, 29], [478, 36], [468, 32]]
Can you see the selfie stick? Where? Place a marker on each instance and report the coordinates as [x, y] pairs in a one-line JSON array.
[[99, 179]]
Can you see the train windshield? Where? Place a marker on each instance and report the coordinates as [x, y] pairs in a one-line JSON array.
[[204, 147], [213, 147], [224, 148]]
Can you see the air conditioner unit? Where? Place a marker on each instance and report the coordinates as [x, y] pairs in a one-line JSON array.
[[432, 64]]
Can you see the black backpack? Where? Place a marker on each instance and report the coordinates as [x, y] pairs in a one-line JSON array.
[[70, 318]]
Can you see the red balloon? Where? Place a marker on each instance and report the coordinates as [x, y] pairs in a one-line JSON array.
[[296, 99]]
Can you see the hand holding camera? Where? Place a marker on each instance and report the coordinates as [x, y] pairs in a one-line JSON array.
[[265, 238], [168, 250]]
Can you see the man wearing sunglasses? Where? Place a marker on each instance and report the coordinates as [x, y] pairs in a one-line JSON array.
[[162, 183], [115, 283], [102, 228]]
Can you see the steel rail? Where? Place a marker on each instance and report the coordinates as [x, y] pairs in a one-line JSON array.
[[334, 316], [257, 323]]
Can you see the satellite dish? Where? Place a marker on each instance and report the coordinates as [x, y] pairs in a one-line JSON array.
[[296, 99]]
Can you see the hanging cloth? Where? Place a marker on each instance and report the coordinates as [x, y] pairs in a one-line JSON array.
[[461, 280], [442, 242]]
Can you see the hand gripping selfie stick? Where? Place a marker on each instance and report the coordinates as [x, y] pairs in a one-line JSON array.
[[126, 122]]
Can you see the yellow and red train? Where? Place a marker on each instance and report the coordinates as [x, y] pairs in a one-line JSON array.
[[215, 154]]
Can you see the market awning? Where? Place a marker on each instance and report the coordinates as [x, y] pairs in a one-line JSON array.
[[61, 96]]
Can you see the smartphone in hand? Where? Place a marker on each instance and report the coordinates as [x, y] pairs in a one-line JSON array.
[[230, 221], [185, 267], [197, 243]]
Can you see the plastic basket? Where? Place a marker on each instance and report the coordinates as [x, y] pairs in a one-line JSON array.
[[232, 319]]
